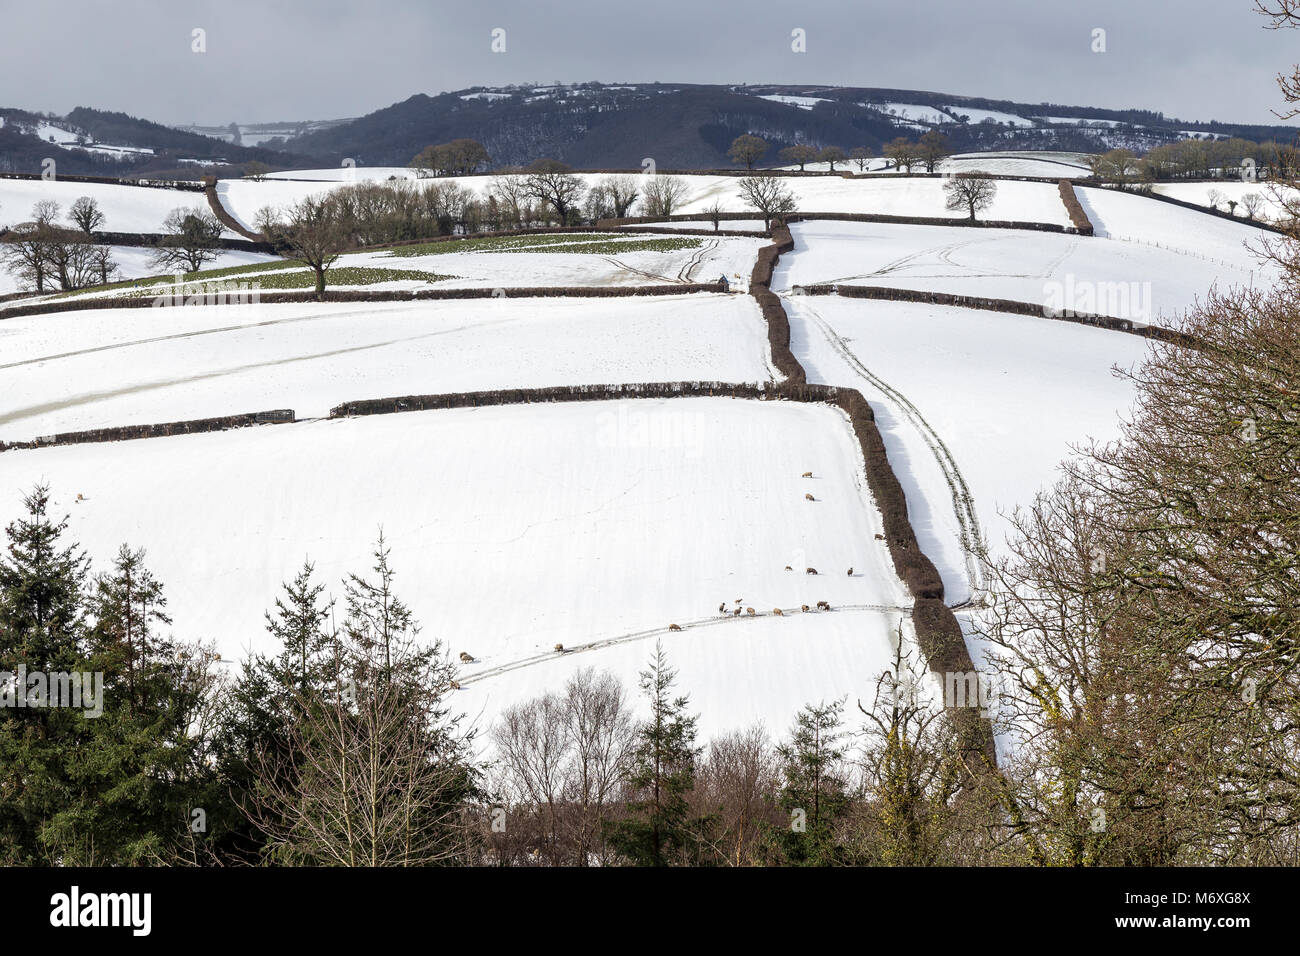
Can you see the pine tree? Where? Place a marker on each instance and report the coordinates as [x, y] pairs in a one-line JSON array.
[[660, 830], [133, 778], [42, 628], [271, 693], [815, 789], [300, 624]]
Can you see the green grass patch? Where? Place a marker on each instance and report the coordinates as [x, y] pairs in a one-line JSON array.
[[345, 276], [484, 244], [613, 248]]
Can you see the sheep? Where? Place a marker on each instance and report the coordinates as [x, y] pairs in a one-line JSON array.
[[749, 611], [466, 657], [722, 608], [808, 497], [674, 627], [559, 648], [736, 613], [880, 537], [455, 685], [806, 609], [850, 572], [807, 474], [778, 612], [788, 568], [823, 606], [810, 571]]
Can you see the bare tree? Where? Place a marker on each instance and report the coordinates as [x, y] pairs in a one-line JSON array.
[[903, 152], [801, 154], [623, 192], [769, 195], [747, 149], [553, 184], [974, 191], [933, 147], [191, 239], [714, 211], [511, 194], [86, 215], [311, 232], [1252, 203], [736, 783], [663, 194], [831, 155], [861, 157], [563, 758]]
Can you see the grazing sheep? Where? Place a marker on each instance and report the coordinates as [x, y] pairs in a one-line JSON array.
[[810, 571], [559, 648], [807, 474], [674, 627], [455, 685], [880, 537], [823, 606], [808, 497], [850, 572], [736, 613], [806, 608], [738, 600], [778, 612], [788, 568], [749, 611], [466, 657]]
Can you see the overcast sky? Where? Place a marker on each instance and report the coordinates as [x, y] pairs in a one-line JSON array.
[[270, 60]]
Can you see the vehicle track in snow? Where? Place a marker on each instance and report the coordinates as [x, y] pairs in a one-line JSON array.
[[488, 673], [963, 502]]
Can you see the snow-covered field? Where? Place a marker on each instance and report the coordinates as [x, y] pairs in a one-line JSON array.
[[125, 208], [975, 116], [515, 528], [1007, 395], [1058, 165], [1015, 264], [1132, 218], [1231, 190], [91, 369]]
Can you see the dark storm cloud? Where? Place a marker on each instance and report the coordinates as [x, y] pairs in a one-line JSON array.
[[305, 59]]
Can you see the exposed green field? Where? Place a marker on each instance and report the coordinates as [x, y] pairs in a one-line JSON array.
[[586, 243]]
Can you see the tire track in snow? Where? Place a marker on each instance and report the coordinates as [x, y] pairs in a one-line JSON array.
[[634, 636], [963, 503]]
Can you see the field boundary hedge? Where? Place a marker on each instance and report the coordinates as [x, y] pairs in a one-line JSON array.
[[358, 295], [128, 432], [769, 303], [1082, 224], [222, 213], [982, 303], [177, 184]]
